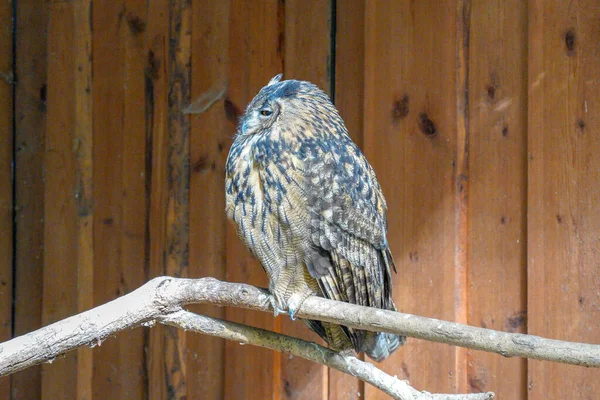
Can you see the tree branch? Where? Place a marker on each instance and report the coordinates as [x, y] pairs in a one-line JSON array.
[[311, 351], [161, 299], [435, 330]]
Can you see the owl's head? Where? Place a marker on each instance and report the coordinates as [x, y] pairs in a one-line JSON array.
[[287, 104]]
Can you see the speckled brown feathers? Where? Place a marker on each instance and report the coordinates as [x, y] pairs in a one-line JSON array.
[[308, 205]]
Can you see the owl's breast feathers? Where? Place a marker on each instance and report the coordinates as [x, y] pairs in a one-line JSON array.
[[263, 197]]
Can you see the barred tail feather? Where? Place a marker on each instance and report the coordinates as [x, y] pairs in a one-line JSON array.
[[379, 345]]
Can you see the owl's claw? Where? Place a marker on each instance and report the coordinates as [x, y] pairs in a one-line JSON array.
[[292, 313], [276, 309], [294, 304]]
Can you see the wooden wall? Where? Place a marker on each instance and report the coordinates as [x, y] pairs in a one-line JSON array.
[[6, 182], [481, 119]]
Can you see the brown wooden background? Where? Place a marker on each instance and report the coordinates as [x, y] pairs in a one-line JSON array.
[[481, 118]]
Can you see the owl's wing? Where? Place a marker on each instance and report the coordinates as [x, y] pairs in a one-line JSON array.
[[348, 253]]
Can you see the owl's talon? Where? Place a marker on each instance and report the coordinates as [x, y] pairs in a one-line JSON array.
[[295, 302], [292, 312], [276, 309]]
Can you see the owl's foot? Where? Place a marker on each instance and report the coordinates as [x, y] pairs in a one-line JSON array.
[[292, 305]]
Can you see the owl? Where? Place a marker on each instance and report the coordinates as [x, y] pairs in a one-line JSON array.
[[308, 205]]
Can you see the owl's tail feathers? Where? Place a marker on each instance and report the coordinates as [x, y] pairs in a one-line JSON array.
[[379, 345]]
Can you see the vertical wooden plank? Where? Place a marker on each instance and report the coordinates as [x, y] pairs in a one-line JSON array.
[[167, 92], [497, 233], [307, 56], [60, 254], [68, 212], [156, 93], [179, 98], [255, 56], [349, 100], [6, 181], [132, 378], [108, 21], [177, 222], [119, 176], [350, 65], [461, 184], [563, 195], [209, 141], [83, 149], [30, 127], [307, 42], [410, 139]]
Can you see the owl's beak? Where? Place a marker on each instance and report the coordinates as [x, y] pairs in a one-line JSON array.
[[248, 125]]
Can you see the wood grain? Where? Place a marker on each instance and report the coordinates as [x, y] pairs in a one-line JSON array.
[[209, 142], [156, 172], [461, 183], [350, 65], [177, 223], [255, 56], [84, 196], [132, 232], [119, 185], [6, 182], [66, 192], [30, 128], [410, 139], [563, 192], [108, 167], [497, 235]]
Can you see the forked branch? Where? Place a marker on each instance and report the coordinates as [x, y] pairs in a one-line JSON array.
[[162, 299]]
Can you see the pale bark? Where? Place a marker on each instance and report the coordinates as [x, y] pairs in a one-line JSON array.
[[161, 300]]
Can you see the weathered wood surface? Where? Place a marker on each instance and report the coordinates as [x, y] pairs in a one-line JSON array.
[[497, 209], [563, 189], [410, 137], [209, 142], [68, 202], [29, 130], [6, 183], [118, 185]]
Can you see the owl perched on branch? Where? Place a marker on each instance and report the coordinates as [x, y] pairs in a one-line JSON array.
[[308, 205]]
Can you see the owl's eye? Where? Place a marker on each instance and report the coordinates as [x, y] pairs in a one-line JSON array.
[[265, 112]]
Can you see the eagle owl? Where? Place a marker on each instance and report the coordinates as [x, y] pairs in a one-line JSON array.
[[308, 205]]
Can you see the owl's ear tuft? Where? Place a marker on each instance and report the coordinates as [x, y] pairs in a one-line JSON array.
[[275, 79]]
